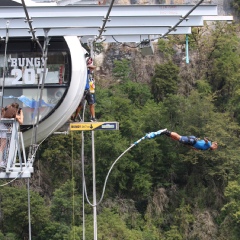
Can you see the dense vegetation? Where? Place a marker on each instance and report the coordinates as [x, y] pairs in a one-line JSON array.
[[236, 5], [159, 189]]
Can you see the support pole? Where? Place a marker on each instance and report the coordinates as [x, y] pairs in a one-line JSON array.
[[187, 56], [29, 211], [94, 189], [90, 43], [83, 176], [83, 186]]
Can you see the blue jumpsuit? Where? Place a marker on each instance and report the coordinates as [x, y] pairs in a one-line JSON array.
[[195, 142]]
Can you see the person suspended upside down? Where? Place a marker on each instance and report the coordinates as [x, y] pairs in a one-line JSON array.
[[194, 142]]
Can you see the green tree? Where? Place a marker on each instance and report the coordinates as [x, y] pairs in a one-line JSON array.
[[173, 234], [232, 207], [122, 70], [164, 81], [54, 231], [14, 209], [138, 93], [57, 155], [110, 226], [231, 211], [224, 72], [236, 5], [215, 60], [65, 207], [166, 47]]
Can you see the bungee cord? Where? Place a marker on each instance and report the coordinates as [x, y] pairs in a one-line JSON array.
[[147, 136]]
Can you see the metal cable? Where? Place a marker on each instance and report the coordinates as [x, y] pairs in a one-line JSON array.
[[102, 29], [4, 64], [173, 28], [44, 51], [31, 29]]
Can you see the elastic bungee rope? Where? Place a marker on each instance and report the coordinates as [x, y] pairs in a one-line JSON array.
[[147, 136]]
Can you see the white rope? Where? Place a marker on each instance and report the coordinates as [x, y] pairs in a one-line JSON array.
[[106, 179]]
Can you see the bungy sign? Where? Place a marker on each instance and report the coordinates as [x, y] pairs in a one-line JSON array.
[[29, 68], [89, 126]]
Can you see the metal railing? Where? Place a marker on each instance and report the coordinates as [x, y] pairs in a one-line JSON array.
[[13, 163]]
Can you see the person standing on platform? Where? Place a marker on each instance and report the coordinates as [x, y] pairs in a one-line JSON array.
[[89, 94]]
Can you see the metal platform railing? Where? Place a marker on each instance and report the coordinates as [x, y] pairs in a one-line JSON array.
[[13, 163]]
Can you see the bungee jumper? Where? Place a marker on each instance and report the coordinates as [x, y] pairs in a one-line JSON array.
[[192, 141]]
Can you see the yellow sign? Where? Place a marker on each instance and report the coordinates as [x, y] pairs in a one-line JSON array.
[[88, 126]]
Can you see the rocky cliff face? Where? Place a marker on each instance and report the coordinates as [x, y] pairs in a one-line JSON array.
[[224, 7]]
